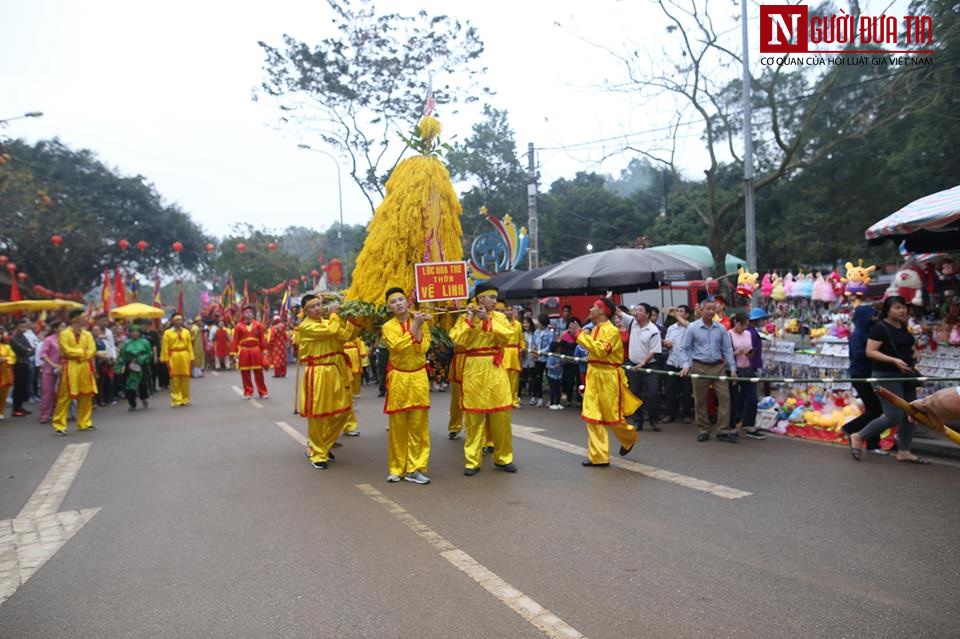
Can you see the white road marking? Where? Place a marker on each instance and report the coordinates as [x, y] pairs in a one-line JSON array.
[[237, 390], [256, 404], [215, 373], [718, 490], [293, 432], [38, 531], [541, 618]]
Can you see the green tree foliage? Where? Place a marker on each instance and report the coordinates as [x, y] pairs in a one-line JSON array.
[[358, 89], [578, 212], [487, 161], [298, 252], [50, 189]]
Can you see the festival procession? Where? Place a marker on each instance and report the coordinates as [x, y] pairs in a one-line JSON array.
[[354, 359]]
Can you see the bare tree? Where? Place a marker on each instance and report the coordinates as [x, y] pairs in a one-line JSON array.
[[801, 114], [358, 90]]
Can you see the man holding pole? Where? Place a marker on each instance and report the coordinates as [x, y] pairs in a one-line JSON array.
[[408, 391], [487, 399]]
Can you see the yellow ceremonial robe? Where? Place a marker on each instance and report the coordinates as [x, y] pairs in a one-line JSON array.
[[408, 398], [606, 397], [76, 354], [325, 386], [486, 386], [176, 350], [408, 386]]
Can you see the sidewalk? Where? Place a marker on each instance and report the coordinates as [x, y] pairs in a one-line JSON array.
[[935, 446]]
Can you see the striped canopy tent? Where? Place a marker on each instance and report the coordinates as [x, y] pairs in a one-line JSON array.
[[929, 224]]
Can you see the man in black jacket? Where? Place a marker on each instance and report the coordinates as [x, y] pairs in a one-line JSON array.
[[21, 370]]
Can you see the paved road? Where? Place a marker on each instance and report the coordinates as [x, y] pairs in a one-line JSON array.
[[212, 524]]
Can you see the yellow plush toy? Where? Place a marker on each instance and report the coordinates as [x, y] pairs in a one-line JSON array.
[[746, 282], [857, 279]]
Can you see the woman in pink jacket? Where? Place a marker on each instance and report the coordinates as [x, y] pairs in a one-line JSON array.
[[49, 370]]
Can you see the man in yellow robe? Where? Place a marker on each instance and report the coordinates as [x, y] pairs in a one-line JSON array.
[[353, 350], [486, 386], [77, 379], [455, 425], [325, 397], [408, 391], [607, 398], [511, 353], [176, 351]]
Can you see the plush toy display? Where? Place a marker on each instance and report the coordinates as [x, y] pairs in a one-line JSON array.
[[766, 285], [908, 284], [788, 284], [746, 282], [948, 279], [779, 293], [803, 287], [857, 279], [835, 282]]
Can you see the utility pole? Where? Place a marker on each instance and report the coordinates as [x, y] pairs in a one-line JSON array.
[[532, 220], [750, 222]]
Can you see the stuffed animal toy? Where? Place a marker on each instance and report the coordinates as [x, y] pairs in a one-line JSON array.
[[788, 284], [857, 279], [908, 284], [948, 280], [746, 282], [779, 293], [803, 287], [766, 285], [821, 290], [833, 289]]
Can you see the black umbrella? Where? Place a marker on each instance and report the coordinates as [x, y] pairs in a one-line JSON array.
[[518, 285], [617, 270]]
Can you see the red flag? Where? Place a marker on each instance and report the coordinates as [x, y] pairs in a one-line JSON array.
[[105, 295], [157, 302], [119, 293], [14, 289], [180, 296]]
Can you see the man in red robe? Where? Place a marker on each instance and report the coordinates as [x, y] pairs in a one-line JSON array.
[[249, 342], [278, 347], [221, 347]]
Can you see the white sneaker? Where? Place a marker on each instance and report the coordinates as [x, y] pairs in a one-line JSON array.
[[555, 407], [393, 478], [417, 477], [539, 403], [532, 402]]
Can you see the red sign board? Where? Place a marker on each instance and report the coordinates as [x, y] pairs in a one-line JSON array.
[[441, 281]]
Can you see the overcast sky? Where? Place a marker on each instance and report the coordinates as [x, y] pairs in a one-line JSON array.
[[163, 89]]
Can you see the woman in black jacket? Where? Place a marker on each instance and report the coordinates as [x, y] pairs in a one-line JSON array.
[[891, 348], [862, 366]]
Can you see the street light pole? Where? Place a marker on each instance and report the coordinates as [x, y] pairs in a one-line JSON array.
[[29, 114], [336, 162]]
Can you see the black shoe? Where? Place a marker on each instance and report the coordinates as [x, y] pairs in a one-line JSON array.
[[507, 468], [381, 394], [452, 435], [319, 465], [702, 437], [754, 434], [654, 426], [587, 462], [60, 433], [729, 438], [336, 445], [330, 456], [625, 451], [470, 471], [487, 450]]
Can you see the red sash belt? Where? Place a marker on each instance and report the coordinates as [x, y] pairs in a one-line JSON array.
[[175, 350], [494, 351], [391, 367], [317, 360], [249, 341]]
